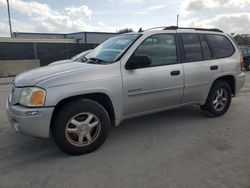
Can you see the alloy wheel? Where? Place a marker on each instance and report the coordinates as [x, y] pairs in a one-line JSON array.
[[220, 99], [82, 129]]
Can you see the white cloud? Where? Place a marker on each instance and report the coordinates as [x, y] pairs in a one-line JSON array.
[[4, 29], [133, 1], [140, 12], [149, 9], [41, 18], [229, 23], [104, 13], [75, 12], [155, 7], [128, 1], [19, 26], [102, 25], [191, 6]]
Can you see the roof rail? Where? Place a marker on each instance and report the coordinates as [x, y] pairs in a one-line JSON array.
[[198, 29], [163, 27]]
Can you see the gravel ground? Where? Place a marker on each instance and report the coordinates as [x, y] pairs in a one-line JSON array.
[[178, 148]]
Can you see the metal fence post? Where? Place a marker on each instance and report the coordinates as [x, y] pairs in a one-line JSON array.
[[35, 50]]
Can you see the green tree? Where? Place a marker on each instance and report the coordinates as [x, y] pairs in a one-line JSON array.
[[241, 39], [125, 30]]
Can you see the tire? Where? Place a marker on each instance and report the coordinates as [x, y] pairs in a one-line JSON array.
[[218, 100], [81, 126]]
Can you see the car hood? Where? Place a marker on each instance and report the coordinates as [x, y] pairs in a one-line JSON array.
[[57, 73], [61, 62]]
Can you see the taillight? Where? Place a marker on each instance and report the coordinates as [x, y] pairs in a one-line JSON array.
[[241, 62]]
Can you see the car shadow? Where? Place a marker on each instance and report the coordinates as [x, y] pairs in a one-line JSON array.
[[23, 149]]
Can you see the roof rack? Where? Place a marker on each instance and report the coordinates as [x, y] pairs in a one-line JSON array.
[[141, 30], [176, 27], [197, 29]]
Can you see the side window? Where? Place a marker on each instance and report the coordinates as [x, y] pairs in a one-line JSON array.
[[221, 45], [192, 47], [207, 54], [160, 48]]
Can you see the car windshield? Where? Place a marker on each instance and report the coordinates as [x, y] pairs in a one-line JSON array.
[[112, 49], [81, 56]]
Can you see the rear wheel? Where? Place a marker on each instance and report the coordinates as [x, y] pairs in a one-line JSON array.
[[81, 127], [219, 99]]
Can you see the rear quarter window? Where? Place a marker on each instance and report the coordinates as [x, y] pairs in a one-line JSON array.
[[222, 47]]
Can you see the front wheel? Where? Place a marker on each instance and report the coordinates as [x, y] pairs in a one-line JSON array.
[[219, 99], [81, 126]]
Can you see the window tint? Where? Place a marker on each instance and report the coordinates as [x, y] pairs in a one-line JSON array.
[[221, 45], [205, 48], [192, 47], [161, 49]]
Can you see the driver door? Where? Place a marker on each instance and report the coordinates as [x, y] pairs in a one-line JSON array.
[[158, 85]]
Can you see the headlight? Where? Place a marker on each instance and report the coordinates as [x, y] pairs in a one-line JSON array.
[[32, 97]]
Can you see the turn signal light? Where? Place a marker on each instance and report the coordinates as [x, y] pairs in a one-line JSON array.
[[37, 98]]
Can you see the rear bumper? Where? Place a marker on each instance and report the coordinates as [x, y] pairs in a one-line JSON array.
[[240, 81], [30, 121]]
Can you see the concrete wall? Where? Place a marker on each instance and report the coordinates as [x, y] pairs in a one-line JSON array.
[[15, 67]]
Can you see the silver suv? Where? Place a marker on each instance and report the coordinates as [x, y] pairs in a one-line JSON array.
[[126, 76]]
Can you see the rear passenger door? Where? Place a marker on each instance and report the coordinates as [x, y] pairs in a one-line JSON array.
[[200, 67]]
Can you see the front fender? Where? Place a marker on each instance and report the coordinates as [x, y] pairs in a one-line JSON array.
[[112, 88]]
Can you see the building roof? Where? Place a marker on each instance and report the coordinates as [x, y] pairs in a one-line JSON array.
[[37, 33]]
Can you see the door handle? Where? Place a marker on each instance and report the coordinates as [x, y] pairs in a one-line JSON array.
[[175, 73], [214, 67]]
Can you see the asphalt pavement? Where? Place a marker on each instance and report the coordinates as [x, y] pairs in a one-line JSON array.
[[180, 148]]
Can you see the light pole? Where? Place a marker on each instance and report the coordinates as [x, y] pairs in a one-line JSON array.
[[8, 6], [177, 24]]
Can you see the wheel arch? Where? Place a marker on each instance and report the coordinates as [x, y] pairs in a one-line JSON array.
[[230, 79], [101, 98]]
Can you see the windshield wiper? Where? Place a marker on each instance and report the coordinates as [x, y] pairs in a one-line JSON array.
[[83, 59], [97, 60]]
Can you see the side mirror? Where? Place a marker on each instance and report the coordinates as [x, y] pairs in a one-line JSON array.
[[139, 61]]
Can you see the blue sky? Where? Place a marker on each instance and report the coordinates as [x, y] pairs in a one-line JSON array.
[[111, 15]]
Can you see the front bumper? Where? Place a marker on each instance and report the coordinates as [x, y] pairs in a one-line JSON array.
[[30, 121]]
